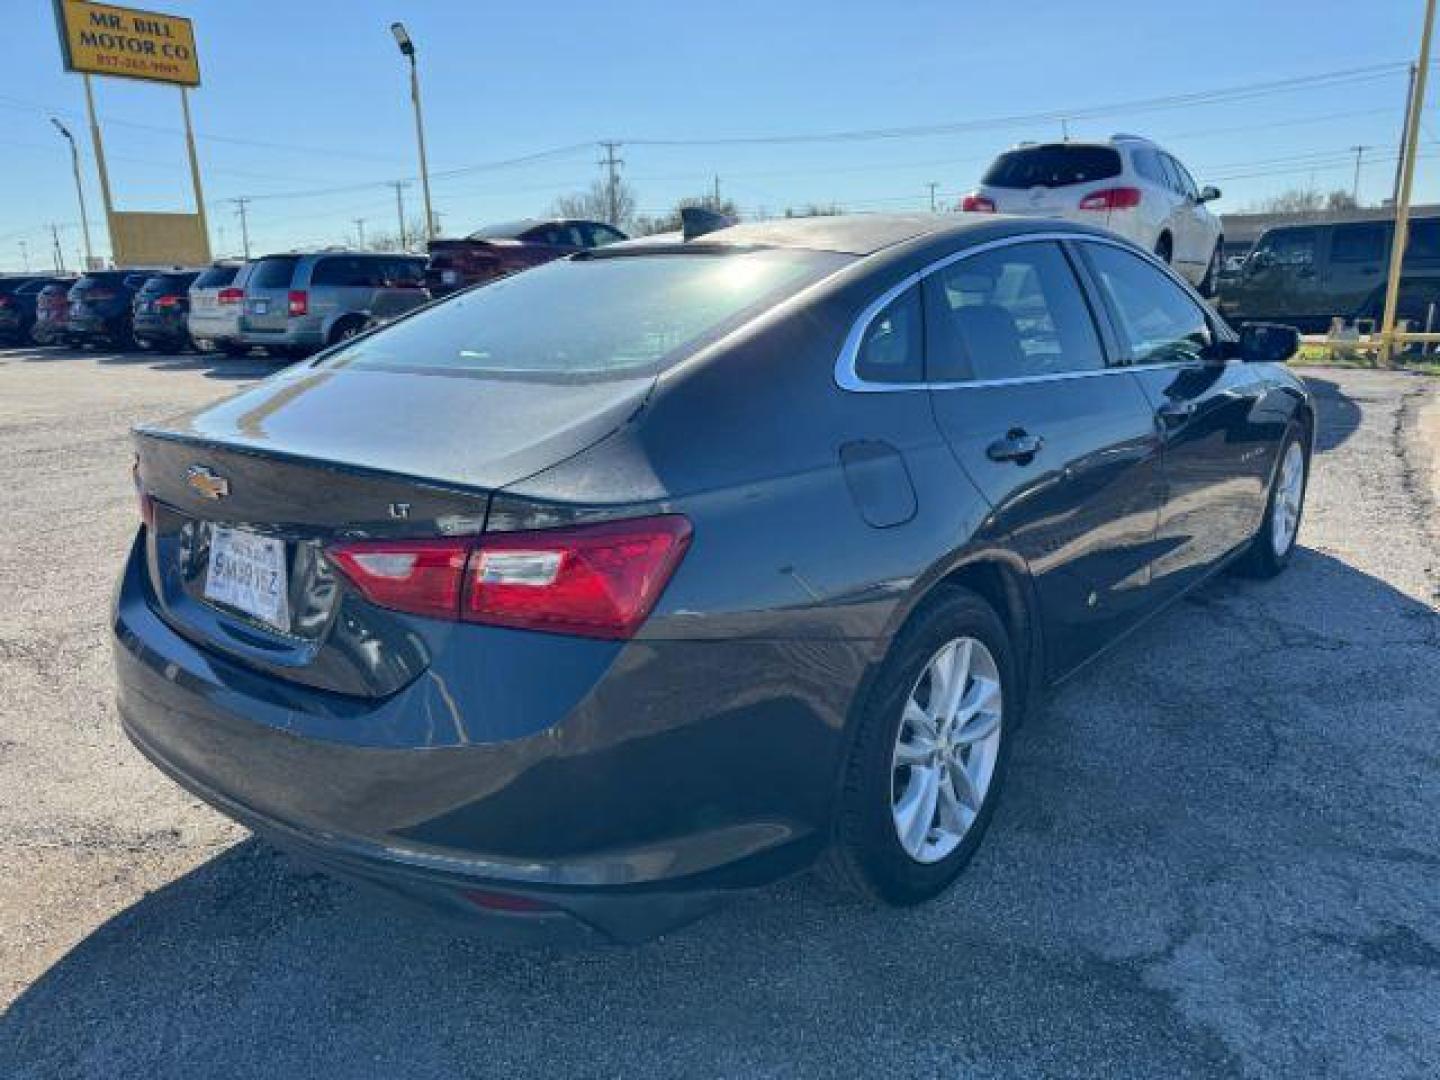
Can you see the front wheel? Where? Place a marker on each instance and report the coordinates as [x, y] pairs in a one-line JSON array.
[[1270, 550], [929, 755]]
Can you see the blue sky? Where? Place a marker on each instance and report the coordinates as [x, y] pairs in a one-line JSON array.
[[304, 106]]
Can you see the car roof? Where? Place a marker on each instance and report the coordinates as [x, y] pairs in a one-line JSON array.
[[850, 234]]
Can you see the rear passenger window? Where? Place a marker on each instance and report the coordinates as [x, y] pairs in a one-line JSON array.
[[893, 348], [1012, 313], [1161, 324], [1424, 240], [1359, 243], [1288, 247], [347, 272]]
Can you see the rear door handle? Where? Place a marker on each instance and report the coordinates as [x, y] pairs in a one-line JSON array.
[[1018, 446], [1176, 411]]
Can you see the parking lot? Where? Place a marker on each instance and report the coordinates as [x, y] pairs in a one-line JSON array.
[[1218, 853]]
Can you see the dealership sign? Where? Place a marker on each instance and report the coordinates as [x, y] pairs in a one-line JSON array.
[[101, 39]]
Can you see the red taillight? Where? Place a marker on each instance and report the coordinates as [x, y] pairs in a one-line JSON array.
[[4, 301], [230, 296], [1115, 198], [142, 497], [422, 577], [506, 902], [975, 203], [299, 302], [592, 580], [595, 580], [169, 301]]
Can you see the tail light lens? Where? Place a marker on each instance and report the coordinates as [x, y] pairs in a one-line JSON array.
[[4, 301], [422, 577], [145, 503], [299, 301], [230, 296], [169, 301], [975, 203], [1117, 198], [597, 581]]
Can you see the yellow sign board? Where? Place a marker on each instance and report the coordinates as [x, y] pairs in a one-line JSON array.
[[102, 39], [145, 238]]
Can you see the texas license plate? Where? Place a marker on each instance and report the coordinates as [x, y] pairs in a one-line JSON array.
[[247, 572]]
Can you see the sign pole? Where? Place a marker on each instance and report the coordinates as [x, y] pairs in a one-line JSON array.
[[195, 173], [100, 163], [1407, 183]]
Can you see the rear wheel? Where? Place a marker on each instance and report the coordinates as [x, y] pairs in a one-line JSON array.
[[929, 756], [233, 348], [1164, 248], [1270, 550], [344, 330]]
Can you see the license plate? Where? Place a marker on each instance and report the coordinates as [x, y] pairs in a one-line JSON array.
[[449, 277], [247, 572], [260, 307]]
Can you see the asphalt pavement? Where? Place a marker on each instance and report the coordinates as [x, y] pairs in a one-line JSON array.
[[1219, 852]]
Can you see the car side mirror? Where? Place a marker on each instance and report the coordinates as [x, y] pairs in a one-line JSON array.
[[1209, 193], [1268, 343]]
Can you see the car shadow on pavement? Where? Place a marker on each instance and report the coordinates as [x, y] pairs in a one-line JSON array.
[[1182, 878], [209, 365], [1339, 414]]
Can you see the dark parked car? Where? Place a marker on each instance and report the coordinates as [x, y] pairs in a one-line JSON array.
[[102, 307], [1309, 274], [17, 306], [52, 313], [498, 250], [753, 550], [162, 310]]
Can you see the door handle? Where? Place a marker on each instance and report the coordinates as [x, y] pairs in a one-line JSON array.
[[1018, 446], [1176, 411]]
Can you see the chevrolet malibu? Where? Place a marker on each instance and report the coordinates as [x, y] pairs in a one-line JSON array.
[[579, 602]]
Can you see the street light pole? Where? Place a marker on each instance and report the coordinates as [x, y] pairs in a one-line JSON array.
[[79, 188], [407, 50]]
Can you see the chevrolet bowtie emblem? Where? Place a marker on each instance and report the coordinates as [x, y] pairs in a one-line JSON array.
[[207, 482]]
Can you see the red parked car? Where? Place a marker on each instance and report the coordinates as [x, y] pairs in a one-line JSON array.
[[498, 250]]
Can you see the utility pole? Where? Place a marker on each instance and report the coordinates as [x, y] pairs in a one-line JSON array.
[[1064, 129], [59, 251], [79, 187], [399, 186], [1404, 127], [612, 186], [932, 186], [25, 255], [1407, 184], [360, 230], [240, 204], [717, 192], [1359, 156]]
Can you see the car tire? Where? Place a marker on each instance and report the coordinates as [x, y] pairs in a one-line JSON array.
[[234, 349], [868, 856], [1274, 543], [1212, 271], [344, 330], [1164, 248]]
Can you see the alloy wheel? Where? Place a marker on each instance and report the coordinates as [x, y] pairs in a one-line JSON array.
[[946, 749], [1289, 495]]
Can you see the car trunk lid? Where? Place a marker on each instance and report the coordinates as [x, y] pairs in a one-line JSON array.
[[259, 485]]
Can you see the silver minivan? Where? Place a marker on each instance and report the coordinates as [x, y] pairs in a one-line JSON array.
[[298, 303]]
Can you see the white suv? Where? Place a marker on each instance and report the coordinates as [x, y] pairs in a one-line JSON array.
[[1128, 185]]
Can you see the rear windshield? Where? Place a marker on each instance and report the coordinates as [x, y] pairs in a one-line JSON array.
[[217, 277], [108, 280], [505, 230], [1052, 166], [604, 317], [274, 272], [163, 284]]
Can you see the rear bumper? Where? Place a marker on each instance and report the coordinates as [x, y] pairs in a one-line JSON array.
[[158, 328], [213, 327], [644, 803]]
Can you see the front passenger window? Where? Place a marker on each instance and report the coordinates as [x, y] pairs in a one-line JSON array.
[[1159, 321]]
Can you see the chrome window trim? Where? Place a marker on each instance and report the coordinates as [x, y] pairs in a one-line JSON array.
[[847, 378]]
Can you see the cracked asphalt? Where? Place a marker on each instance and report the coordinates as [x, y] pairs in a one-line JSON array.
[[1219, 852]]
